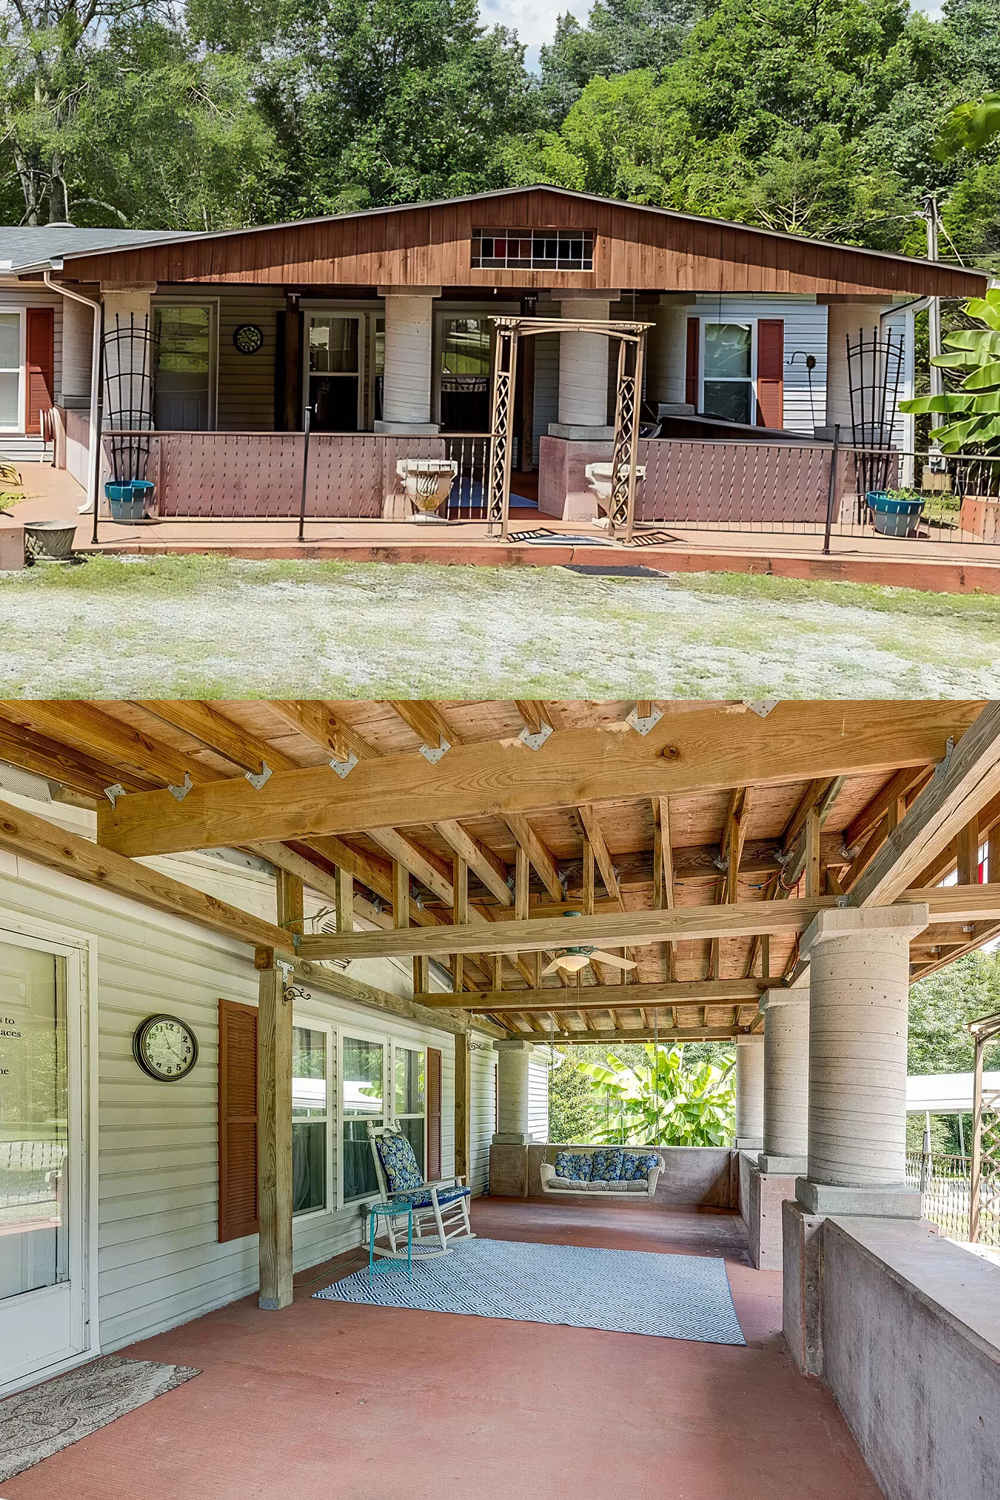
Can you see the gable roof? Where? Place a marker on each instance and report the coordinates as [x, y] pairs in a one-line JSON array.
[[428, 244], [34, 246]]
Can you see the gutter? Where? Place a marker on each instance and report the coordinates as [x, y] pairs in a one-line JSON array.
[[87, 508]]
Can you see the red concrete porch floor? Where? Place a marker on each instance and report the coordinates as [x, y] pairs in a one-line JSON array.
[[328, 1401]]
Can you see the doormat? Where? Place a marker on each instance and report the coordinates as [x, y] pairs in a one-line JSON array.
[[620, 1291], [598, 570], [558, 539], [37, 1423]]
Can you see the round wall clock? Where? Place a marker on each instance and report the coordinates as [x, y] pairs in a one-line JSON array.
[[165, 1048], [248, 338]]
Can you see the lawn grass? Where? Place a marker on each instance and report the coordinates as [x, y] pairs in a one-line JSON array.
[[207, 626]]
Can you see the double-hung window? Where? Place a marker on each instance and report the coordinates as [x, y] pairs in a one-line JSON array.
[[382, 1082], [310, 1119], [728, 356]]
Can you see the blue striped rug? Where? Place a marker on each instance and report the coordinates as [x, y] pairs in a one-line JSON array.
[[622, 1291]]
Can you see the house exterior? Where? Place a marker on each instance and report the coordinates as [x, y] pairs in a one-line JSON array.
[[379, 323]]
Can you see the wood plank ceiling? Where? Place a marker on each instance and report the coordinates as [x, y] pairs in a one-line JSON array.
[[776, 834]]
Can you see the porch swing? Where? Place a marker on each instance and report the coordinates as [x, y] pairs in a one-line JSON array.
[[610, 1171]]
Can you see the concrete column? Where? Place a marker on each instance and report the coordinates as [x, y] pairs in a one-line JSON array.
[[749, 1093], [77, 353], [666, 357], [859, 991], [512, 1092], [583, 370], [127, 391], [409, 350], [786, 1081]]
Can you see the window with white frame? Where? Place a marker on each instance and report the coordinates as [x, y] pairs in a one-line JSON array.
[[383, 1081], [728, 371], [11, 362], [311, 1153]]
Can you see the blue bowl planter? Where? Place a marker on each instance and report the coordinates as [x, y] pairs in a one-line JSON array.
[[894, 517], [127, 502]]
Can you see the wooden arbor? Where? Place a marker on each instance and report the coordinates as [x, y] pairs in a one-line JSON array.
[[631, 350], [985, 1130]]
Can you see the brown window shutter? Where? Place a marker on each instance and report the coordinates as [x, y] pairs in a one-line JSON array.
[[41, 372], [433, 1114], [691, 374], [770, 372], [237, 1120]]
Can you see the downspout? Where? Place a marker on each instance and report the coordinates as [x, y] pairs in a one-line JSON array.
[[87, 508]]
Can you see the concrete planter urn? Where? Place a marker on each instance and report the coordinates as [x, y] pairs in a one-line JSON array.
[[599, 480], [427, 484], [49, 541]]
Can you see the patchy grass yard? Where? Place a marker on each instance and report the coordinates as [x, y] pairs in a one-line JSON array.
[[215, 627]]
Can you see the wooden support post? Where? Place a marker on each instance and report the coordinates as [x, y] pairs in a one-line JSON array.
[[274, 1141], [968, 853], [993, 853], [765, 955], [421, 976], [290, 901], [588, 878], [345, 900], [463, 1094], [400, 895], [813, 870]]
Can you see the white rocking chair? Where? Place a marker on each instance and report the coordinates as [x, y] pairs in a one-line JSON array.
[[445, 1204]]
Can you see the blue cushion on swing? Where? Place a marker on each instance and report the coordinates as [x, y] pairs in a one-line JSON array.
[[606, 1166], [573, 1165], [636, 1167]]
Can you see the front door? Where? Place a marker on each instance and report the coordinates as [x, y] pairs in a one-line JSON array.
[[43, 1322], [184, 377], [465, 374], [334, 361]]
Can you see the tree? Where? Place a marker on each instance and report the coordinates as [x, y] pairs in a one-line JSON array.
[[940, 1008], [621, 36], [974, 354], [664, 1101]]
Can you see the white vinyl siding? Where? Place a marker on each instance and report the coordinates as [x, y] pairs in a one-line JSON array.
[[160, 1262], [538, 1096], [17, 446], [805, 333], [482, 1114]]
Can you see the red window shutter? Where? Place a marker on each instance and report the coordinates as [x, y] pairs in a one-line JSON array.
[[237, 1120], [691, 373], [433, 1114], [41, 342], [770, 372]]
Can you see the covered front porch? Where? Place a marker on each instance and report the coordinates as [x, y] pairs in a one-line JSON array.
[[328, 1397]]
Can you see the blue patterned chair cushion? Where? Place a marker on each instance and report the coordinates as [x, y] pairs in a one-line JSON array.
[[574, 1165], [636, 1168], [606, 1166], [399, 1163], [424, 1199]]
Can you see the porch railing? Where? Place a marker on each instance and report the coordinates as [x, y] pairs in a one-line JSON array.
[[258, 476], [945, 1183]]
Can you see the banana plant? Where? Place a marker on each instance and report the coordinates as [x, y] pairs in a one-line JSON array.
[[973, 353], [663, 1102]]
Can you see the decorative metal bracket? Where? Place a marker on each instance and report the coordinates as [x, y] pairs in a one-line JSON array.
[[258, 781], [344, 767], [643, 724], [435, 755], [761, 706], [535, 741], [180, 792], [114, 792], [942, 765]]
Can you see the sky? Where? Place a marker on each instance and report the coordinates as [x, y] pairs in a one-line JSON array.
[[535, 20]]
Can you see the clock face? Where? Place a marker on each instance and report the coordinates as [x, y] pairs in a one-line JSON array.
[[165, 1047], [248, 338]]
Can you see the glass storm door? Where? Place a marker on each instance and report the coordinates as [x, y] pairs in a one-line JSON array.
[[465, 374], [334, 354], [184, 386], [42, 1307]]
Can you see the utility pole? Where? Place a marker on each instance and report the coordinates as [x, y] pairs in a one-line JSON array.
[[930, 212]]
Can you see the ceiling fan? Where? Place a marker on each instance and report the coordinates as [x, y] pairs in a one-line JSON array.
[[572, 960]]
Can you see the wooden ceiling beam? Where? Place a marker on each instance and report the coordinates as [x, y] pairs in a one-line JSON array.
[[594, 997], [317, 722], [93, 732], [540, 857], [705, 750], [210, 728], [648, 1034], [489, 868], [960, 788], [427, 722], [602, 855], [59, 762]]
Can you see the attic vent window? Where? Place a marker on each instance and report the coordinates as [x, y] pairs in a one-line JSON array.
[[532, 250]]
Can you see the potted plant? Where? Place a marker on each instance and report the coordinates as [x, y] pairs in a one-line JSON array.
[[127, 500], [895, 512]]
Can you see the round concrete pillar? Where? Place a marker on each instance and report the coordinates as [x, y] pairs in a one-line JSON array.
[[859, 992], [786, 1081], [583, 373], [666, 357], [749, 1093], [409, 344], [513, 1062]]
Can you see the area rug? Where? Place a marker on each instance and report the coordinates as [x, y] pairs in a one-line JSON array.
[[37, 1423], [620, 1291]]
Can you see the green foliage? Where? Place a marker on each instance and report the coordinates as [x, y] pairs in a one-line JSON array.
[[662, 1100], [621, 36], [974, 355], [940, 1008], [969, 127]]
